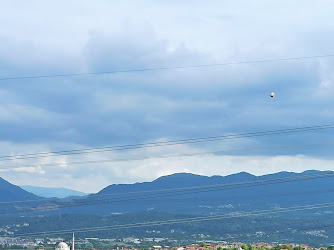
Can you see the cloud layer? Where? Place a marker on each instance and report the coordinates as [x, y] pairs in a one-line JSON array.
[[78, 112]]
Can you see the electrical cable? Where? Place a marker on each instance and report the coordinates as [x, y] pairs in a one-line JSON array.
[[286, 231], [165, 68], [225, 185], [185, 220], [50, 207], [212, 153], [165, 143]]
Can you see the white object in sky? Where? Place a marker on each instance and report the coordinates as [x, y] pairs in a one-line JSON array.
[[272, 94]]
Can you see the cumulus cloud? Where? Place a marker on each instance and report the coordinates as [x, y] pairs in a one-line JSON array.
[[105, 168], [90, 178], [326, 79]]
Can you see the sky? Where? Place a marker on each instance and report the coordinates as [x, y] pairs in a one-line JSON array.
[[64, 113]]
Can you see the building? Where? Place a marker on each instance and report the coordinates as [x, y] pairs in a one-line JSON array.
[[62, 246]]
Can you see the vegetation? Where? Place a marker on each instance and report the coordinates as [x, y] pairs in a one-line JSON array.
[[241, 229], [12, 247]]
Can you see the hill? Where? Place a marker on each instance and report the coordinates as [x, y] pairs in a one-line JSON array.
[[185, 195], [10, 192], [191, 194], [52, 192], [216, 194]]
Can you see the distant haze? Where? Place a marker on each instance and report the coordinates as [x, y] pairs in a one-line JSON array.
[[52, 192]]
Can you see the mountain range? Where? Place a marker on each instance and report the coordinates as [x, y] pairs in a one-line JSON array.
[[185, 195], [52, 192]]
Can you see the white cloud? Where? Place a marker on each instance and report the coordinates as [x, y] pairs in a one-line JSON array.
[[25, 113], [91, 177], [326, 79], [129, 108]]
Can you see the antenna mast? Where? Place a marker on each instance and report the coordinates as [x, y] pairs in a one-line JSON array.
[[73, 242]]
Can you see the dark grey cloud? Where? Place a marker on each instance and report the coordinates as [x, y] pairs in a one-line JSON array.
[[113, 109]]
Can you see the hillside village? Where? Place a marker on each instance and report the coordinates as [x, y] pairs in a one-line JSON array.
[[130, 243]]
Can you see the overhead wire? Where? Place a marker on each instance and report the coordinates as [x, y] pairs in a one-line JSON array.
[[71, 204], [282, 232], [164, 68], [294, 222], [211, 153], [225, 185], [152, 200], [191, 190], [125, 147], [166, 143], [185, 220]]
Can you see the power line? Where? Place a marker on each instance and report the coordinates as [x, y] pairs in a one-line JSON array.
[[202, 218], [282, 232], [186, 220], [275, 180], [53, 207], [212, 153], [227, 185], [166, 143], [152, 200], [296, 220], [166, 68], [173, 192]]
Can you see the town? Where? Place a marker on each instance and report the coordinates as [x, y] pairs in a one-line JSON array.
[[132, 243]]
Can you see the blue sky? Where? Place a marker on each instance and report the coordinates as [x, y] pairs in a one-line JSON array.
[[36, 115]]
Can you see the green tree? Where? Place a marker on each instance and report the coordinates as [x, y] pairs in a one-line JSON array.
[[204, 245], [285, 247]]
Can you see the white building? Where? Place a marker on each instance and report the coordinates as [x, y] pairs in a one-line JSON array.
[[62, 246]]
